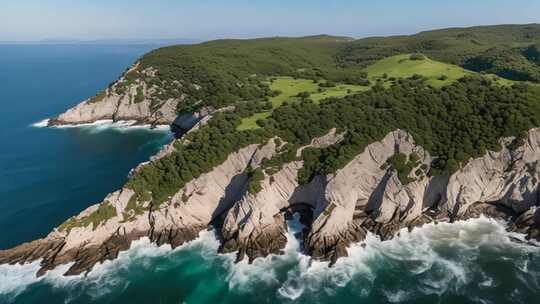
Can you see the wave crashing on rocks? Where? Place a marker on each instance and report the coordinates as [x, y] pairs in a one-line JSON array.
[[435, 260]]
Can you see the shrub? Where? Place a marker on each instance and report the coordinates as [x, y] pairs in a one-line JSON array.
[[417, 56]]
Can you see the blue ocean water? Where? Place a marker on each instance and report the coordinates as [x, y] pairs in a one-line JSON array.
[[47, 175]]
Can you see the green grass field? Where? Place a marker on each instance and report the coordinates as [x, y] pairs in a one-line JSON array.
[[339, 91], [290, 88], [401, 66]]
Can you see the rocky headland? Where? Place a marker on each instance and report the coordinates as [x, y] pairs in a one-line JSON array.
[[135, 100]]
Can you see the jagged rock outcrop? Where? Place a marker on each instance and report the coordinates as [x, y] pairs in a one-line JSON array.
[[255, 226], [134, 99], [508, 177], [365, 191], [127, 99], [367, 195]]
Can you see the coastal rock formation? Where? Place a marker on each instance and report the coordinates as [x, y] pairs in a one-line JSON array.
[[255, 226], [133, 99], [367, 195], [364, 197], [365, 191]]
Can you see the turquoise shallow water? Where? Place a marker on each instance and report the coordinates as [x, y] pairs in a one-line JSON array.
[[47, 175]]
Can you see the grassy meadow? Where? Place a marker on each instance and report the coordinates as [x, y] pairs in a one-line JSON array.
[[437, 73], [291, 87]]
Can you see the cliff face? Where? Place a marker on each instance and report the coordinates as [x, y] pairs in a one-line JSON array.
[[367, 195], [130, 98], [255, 226]]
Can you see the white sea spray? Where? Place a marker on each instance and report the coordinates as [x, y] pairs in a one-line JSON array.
[[425, 257], [106, 124], [41, 124]]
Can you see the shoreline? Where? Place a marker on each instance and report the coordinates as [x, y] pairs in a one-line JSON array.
[[422, 240], [106, 123]]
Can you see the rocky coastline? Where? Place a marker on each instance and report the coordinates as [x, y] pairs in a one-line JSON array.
[[338, 210]]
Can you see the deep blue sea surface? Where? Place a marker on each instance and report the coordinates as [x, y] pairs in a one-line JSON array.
[[48, 175]]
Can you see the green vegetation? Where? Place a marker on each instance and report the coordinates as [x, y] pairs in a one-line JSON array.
[[417, 56], [300, 88], [286, 154], [130, 78], [133, 208], [403, 66], [221, 72], [328, 211], [104, 212], [140, 95], [519, 64], [465, 47], [256, 176], [99, 97], [338, 91], [290, 89], [403, 166]]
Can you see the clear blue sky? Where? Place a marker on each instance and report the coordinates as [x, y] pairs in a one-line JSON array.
[[206, 19]]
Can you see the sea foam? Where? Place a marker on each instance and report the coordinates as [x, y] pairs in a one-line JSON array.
[[434, 259], [41, 124], [105, 124]]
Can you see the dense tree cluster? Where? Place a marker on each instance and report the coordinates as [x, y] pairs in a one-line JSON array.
[[327, 84], [245, 109], [200, 82], [516, 64], [532, 53]]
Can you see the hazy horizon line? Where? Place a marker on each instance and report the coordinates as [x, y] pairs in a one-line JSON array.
[[188, 40]]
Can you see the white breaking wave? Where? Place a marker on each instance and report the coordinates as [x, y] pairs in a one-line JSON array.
[[15, 278], [102, 279], [105, 124], [421, 254], [41, 123]]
